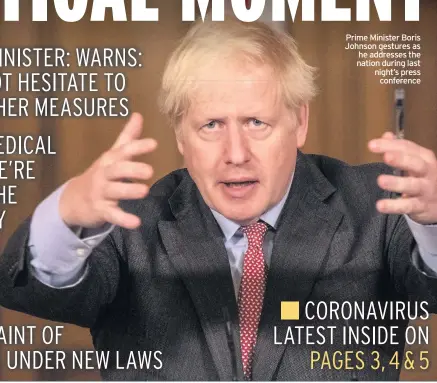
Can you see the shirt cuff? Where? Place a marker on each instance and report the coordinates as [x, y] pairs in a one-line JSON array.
[[425, 236], [64, 281], [54, 247], [426, 239]]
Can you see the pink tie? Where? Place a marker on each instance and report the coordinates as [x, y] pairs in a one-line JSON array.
[[251, 294]]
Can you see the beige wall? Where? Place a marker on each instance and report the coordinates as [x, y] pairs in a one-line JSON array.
[[351, 108]]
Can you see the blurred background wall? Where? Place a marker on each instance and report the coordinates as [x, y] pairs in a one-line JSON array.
[[352, 108]]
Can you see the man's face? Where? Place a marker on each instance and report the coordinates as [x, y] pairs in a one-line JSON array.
[[239, 140]]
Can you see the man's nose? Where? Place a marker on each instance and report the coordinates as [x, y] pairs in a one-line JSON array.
[[237, 146]]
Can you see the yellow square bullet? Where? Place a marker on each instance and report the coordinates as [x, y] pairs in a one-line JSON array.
[[289, 310]]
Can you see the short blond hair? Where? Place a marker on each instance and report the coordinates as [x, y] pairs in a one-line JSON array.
[[257, 42]]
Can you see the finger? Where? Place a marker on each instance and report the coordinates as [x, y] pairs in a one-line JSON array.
[[382, 145], [129, 170], [131, 131], [117, 216], [413, 164], [405, 185], [124, 191], [136, 148], [401, 206]]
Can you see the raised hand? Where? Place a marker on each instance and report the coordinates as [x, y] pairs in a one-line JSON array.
[[91, 199], [419, 185]]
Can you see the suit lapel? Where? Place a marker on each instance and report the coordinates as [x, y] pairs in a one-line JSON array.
[[304, 233], [195, 246]]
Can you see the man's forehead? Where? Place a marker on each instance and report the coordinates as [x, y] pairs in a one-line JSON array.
[[226, 83], [230, 89], [237, 94]]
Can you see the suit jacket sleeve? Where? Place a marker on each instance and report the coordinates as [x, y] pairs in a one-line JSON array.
[[80, 304], [407, 269]]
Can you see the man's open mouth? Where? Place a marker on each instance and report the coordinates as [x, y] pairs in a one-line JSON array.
[[239, 183]]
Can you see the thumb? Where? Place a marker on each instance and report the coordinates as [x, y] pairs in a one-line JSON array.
[[131, 131]]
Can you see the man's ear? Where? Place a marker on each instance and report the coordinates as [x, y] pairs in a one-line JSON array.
[[302, 124]]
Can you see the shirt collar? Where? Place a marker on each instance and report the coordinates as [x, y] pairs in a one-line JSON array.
[[229, 227]]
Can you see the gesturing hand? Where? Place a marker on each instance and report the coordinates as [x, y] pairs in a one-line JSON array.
[[91, 199], [419, 185]]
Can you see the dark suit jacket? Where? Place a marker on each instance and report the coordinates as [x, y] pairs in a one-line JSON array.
[[164, 286]]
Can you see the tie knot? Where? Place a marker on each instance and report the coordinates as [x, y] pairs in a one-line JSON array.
[[255, 232]]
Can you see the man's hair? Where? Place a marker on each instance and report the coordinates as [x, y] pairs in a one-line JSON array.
[[209, 42]]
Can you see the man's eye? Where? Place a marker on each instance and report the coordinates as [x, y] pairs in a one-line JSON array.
[[257, 123], [210, 125]]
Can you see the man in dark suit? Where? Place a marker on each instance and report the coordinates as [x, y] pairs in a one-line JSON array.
[[250, 223]]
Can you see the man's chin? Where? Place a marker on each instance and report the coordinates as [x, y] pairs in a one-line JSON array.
[[242, 215], [244, 210]]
